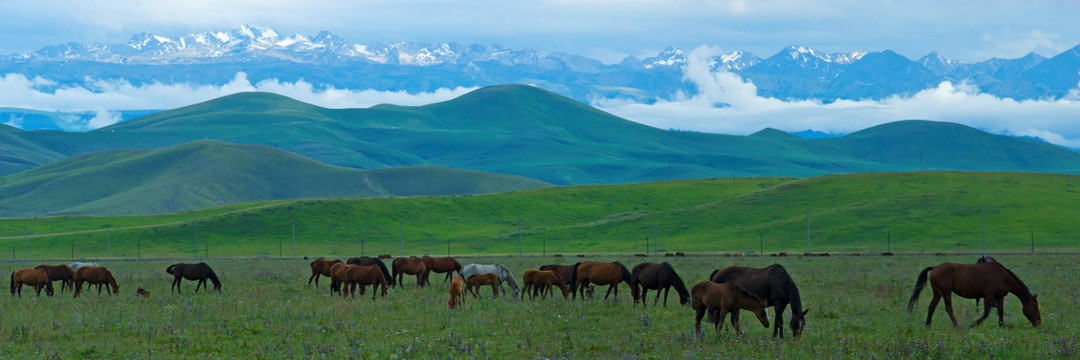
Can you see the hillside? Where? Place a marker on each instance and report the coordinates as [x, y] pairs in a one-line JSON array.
[[209, 173]]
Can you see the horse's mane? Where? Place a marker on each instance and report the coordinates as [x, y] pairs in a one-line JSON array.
[[787, 286], [747, 292], [1025, 295]]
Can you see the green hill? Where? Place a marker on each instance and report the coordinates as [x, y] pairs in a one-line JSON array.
[[209, 173], [918, 212]]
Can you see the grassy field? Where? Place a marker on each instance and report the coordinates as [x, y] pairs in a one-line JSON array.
[[857, 310]]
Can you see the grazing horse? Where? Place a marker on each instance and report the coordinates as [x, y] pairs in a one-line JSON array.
[[366, 260], [773, 284], [337, 278], [504, 274], [541, 281], [363, 275], [61, 273], [725, 298], [989, 281], [199, 272], [599, 273], [441, 265], [321, 267], [410, 266], [658, 277], [95, 275], [563, 271], [473, 284], [37, 278], [983, 260], [457, 292]]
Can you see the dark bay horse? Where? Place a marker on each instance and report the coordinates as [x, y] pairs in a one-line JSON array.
[[988, 281], [366, 260], [724, 298], [447, 265], [599, 273], [95, 275], [363, 275], [36, 278], [563, 271], [542, 281], [321, 267], [193, 272], [662, 276], [410, 266], [61, 273], [772, 284]]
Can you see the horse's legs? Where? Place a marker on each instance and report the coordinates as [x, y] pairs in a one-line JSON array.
[[948, 308], [175, 283], [314, 276], [666, 290], [933, 305], [986, 311], [699, 313], [720, 320], [1001, 310], [778, 328]]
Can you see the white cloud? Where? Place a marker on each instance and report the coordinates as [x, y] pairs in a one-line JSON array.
[[728, 104]]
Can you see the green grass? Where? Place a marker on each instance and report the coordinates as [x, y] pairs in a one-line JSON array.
[[857, 310]]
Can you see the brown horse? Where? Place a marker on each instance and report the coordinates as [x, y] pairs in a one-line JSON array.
[[321, 267], [988, 281], [367, 260], [200, 272], [599, 273], [473, 284], [61, 273], [37, 278], [773, 284], [337, 277], [363, 275], [563, 271], [95, 275], [726, 298], [410, 266], [457, 292], [441, 265], [657, 277], [544, 280]]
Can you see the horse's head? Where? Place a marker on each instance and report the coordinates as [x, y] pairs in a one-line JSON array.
[[48, 288], [761, 316], [798, 321], [1031, 310]]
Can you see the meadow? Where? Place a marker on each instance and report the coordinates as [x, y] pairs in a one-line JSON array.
[[267, 311]]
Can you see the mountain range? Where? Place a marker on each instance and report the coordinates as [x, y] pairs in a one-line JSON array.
[[327, 60]]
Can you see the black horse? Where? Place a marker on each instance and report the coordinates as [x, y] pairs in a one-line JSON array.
[[199, 271], [772, 284], [657, 277], [365, 260]]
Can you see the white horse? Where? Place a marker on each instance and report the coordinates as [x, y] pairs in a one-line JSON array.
[[498, 269], [76, 265]]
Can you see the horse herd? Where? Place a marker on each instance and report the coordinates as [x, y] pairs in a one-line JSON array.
[[726, 291]]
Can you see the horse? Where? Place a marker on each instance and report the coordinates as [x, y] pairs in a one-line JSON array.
[[983, 260], [365, 260], [95, 275], [76, 265], [773, 284], [725, 298], [473, 284], [990, 281], [658, 277], [411, 266], [337, 277], [38, 278], [457, 292], [199, 271], [563, 271], [504, 274], [599, 273], [61, 273], [441, 265], [363, 275], [541, 281], [321, 267]]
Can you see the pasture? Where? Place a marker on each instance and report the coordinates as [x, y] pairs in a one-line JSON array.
[[857, 309]]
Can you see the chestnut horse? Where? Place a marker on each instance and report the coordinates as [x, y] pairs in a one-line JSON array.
[[504, 274], [599, 273], [95, 275], [321, 267], [37, 278], [726, 298], [441, 265], [473, 284], [542, 281], [337, 277], [658, 277], [563, 271], [410, 266], [457, 292], [366, 260], [363, 275], [988, 281], [773, 284], [199, 272], [61, 273]]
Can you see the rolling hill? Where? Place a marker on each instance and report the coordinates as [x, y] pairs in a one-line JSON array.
[[207, 173]]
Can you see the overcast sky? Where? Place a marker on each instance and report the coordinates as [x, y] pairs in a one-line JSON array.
[[608, 30]]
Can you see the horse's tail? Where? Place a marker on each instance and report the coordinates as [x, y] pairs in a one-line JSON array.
[[12, 283], [214, 279], [713, 274], [170, 269], [393, 275], [573, 279], [625, 272], [919, 284], [385, 272]]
